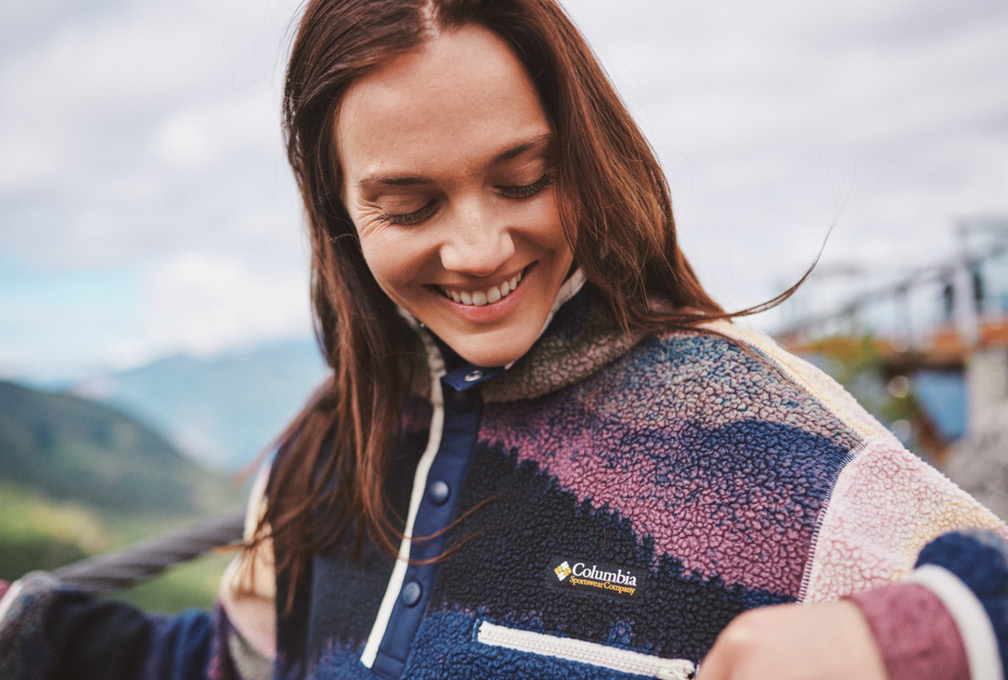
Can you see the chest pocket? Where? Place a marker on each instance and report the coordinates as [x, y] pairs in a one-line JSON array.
[[579, 651]]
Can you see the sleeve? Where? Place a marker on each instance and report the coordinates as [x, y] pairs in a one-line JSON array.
[[924, 561], [50, 630]]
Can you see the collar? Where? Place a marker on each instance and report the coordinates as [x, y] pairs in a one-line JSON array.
[[578, 337]]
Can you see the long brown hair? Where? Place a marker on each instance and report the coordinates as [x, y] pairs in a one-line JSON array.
[[614, 206]]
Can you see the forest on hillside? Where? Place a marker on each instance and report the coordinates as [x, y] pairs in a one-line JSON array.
[[78, 478]]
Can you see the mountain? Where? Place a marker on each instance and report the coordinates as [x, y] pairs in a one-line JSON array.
[[79, 478], [223, 409], [71, 449]]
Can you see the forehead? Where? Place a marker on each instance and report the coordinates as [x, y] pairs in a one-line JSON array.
[[459, 99]]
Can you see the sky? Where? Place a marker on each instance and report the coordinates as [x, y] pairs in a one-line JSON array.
[[146, 208]]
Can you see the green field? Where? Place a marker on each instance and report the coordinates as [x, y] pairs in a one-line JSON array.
[[38, 533], [78, 479]]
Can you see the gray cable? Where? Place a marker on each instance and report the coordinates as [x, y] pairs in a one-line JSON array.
[[134, 563]]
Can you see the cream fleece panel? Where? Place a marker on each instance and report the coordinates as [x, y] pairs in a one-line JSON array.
[[886, 506], [248, 585]]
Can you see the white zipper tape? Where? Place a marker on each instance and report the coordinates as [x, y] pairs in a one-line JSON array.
[[621, 660]]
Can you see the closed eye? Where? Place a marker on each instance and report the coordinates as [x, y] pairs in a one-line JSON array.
[[526, 190], [410, 218]]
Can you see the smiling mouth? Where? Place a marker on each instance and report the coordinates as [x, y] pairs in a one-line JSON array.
[[484, 296]]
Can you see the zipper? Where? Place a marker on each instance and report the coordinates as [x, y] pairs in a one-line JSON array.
[[582, 651]]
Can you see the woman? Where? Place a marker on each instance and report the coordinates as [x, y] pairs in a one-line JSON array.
[[543, 452]]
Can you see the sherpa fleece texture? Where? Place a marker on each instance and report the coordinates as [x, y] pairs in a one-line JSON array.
[[731, 473], [722, 472]]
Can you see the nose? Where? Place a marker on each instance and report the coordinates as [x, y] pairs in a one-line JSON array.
[[477, 241]]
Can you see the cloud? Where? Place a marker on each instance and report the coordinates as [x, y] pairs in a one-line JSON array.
[[205, 302], [133, 136], [143, 137], [120, 127], [776, 120]]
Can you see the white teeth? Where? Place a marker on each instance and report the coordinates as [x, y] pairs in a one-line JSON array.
[[478, 298]]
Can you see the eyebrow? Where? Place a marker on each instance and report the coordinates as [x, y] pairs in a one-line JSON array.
[[415, 180]]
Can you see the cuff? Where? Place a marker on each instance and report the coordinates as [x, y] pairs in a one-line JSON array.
[[971, 618], [917, 636], [968, 571]]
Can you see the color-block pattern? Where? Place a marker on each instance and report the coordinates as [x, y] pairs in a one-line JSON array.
[[724, 468], [706, 451], [504, 561]]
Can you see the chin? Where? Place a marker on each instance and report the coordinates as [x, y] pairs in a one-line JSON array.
[[491, 359], [478, 353]]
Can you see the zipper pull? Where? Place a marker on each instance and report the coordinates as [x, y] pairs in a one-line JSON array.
[[676, 670]]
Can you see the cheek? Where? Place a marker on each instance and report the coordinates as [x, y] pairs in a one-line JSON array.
[[550, 230], [382, 261], [394, 260]]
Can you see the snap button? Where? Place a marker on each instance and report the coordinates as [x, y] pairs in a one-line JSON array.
[[411, 593], [473, 376], [461, 401], [438, 492]]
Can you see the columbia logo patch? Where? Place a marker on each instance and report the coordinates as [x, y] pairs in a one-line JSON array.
[[562, 570], [588, 577]]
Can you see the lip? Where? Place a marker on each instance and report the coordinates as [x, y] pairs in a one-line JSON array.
[[493, 311]]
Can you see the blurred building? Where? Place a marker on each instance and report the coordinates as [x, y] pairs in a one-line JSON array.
[[926, 352]]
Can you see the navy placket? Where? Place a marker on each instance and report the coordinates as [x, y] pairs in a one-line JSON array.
[[463, 408]]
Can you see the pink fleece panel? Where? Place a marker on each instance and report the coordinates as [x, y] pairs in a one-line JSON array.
[[917, 636], [887, 504], [3, 588]]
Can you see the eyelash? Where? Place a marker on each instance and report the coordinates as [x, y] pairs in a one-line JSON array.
[[513, 192], [410, 218], [529, 189]]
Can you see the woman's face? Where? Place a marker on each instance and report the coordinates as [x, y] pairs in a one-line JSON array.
[[448, 164]]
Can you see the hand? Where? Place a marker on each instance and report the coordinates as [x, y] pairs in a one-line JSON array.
[[796, 642]]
